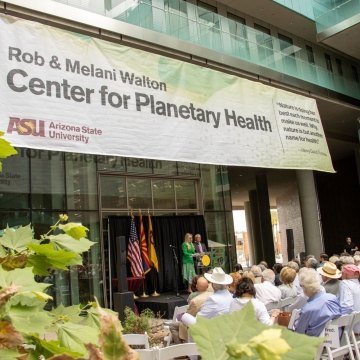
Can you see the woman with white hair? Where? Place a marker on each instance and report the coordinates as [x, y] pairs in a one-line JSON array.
[[320, 307]]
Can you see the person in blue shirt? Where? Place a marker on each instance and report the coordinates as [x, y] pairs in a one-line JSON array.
[[319, 308]]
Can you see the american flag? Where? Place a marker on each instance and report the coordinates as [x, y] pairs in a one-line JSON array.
[[134, 254]]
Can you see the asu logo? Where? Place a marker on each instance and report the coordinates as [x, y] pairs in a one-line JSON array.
[[26, 126]]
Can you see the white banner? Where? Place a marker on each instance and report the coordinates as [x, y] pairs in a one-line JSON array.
[[70, 92]]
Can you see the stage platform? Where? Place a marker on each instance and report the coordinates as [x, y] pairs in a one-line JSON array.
[[163, 305]]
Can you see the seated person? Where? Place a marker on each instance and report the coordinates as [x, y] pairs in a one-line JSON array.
[[287, 288], [219, 302], [266, 291], [245, 292], [319, 308]]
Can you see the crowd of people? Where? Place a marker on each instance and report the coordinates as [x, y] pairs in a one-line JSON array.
[[322, 288]]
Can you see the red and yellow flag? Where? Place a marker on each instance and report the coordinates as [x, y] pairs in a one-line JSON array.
[[151, 247], [143, 247]]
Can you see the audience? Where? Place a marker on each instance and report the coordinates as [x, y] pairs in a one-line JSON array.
[[319, 308], [277, 268], [256, 270], [267, 292], [236, 278], [245, 292]]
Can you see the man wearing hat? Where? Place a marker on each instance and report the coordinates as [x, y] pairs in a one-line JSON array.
[[219, 302], [350, 291], [330, 277]]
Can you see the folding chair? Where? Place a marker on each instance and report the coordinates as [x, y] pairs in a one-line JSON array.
[[331, 350], [179, 310], [284, 303], [170, 352], [147, 354], [355, 342], [294, 315], [272, 305], [137, 339]]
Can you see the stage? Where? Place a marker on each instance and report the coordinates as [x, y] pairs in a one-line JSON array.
[[163, 306]]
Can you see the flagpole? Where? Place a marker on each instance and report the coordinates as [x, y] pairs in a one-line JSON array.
[[155, 293], [144, 294]]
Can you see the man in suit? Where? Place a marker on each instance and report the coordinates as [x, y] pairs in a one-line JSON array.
[[200, 249]]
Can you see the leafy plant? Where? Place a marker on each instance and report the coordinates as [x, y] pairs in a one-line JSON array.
[[239, 335], [27, 331], [6, 149]]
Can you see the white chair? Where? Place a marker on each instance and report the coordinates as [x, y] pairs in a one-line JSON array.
[[284, 303], [331, 350], [177, 311], [294, 315], [147, 354], [272, 305], [355, 343], [137, 339], [170, 352]]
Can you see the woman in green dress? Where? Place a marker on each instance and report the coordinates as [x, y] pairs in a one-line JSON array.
[[188, 250]]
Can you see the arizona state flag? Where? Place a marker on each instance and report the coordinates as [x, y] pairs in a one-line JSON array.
[[143, 248], [151, 247]]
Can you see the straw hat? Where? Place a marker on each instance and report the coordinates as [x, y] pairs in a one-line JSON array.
[[219, 277], [329, 270]]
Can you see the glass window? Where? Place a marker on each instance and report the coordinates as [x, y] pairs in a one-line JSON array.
[[164, 167], [286, 45], [237, 26], [15, 182], [207, 13], [310, 54], [328, 63], [47, 179], [163, 194], [212, 187], [86, 278], [81, 184], [355, 73], [185, 194], [113, 192], [14, 218], [135, 165], [263, 36], [188, 169], [110, 163], [339, 67], [139, 193]]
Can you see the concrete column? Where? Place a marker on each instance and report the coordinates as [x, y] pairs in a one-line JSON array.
[[249, 228], [310, 213], [256, 227], [267, 238]]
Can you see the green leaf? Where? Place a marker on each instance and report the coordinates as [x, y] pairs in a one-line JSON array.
[[17, 239], [75, 230], [9, 354], [68, 313], [46, 257], [50, 348], [74, 336], [26, 285], [6, 149], [93, 317], [29, 320], [240, 327], [66, 242]]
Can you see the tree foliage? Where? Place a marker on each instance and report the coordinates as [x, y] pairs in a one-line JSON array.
[[27, 331]]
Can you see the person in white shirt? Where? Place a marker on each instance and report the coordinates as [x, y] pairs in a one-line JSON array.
[[267, 292], [245, 292], [349, 293], [219, 302]]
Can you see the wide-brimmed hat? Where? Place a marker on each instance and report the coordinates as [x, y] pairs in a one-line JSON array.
[[329, 270], [219, 277]]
